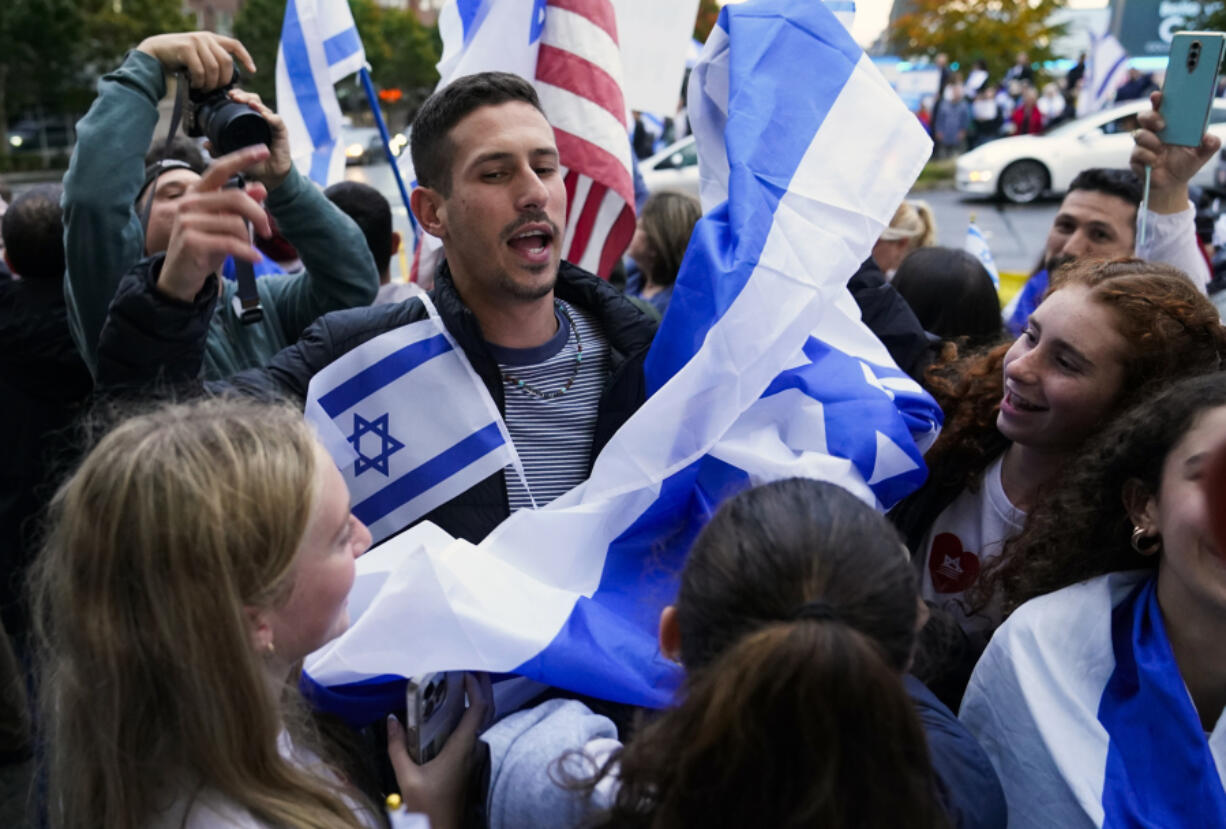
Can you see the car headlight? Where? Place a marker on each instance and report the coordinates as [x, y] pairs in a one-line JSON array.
[[355, 151], [979, 175], [15, 140]]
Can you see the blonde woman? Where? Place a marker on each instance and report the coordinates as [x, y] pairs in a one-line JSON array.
[[195, 557], [913, 226]]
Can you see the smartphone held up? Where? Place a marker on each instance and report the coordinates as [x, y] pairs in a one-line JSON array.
[[1189, 87]]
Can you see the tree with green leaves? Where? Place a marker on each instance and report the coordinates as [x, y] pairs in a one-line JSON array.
[[966, 30], [400, 50], [40, 41]]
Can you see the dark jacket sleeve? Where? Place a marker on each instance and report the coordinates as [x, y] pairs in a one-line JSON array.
[[967, 784], [889, 316], [149, 338]]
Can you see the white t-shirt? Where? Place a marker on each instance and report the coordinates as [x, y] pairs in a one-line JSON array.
[[965, 536]]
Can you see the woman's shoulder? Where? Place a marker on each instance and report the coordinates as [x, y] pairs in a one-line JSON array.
[[525, 747], [206, 809]]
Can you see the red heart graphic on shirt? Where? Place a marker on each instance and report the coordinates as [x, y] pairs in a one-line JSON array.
[[952, 568]]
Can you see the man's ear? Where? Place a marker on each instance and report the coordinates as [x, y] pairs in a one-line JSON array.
[[430, 209], [1142, 507], [670, 634], [395, 242]]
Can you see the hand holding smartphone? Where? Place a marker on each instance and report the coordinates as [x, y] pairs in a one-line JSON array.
[[434, 704], [1189, 87]]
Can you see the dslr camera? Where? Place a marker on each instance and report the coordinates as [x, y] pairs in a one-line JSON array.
[[228, 125]]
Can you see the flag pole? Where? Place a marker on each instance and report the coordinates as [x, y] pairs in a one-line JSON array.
[[369, 86]]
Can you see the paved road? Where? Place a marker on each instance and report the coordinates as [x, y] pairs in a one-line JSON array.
[[1014, 232]]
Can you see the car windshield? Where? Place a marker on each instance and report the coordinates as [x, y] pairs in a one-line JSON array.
[[1069, 127]]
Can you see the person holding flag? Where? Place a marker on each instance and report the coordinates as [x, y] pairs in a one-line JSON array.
[[761, 370], [551, 350], [108, 189]]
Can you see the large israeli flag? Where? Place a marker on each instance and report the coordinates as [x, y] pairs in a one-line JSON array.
[[1096, 729], [761, 369], [319, 46], [377, 412]]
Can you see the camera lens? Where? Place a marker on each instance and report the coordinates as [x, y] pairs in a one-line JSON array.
[[231, 126]]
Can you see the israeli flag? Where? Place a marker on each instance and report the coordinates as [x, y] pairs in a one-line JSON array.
[[1096, 729], [761, 369], [977, 246], [319, 46], [409, 423]]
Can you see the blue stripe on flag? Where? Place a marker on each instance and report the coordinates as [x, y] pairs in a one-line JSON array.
[[727, 242], [1102, 87], [388, 370], [431, 473], [338, 47], [472, 14], [1159, 771], [600, 650], [298, 69]]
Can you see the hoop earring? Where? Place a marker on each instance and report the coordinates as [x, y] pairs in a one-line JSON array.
[[1144, 543]]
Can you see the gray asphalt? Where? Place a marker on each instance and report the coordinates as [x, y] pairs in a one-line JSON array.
[[1015, 233]]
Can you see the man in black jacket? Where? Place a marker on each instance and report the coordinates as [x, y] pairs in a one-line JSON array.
[[559, 350]]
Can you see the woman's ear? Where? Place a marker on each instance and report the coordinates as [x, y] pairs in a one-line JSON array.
[[259, 629], [1142, 507], [670, 634]]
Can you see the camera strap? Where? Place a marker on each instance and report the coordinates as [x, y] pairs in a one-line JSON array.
[[246, 302], [176, 115]]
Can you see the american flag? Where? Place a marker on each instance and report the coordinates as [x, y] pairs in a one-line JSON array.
[[578, 77], [569, 50]]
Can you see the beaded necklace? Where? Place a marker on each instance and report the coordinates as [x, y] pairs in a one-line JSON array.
[[556, 393]]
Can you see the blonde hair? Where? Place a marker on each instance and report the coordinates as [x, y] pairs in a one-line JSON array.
[[912, 220], [150, 688]]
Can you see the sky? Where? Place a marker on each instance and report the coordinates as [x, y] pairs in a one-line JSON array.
[[873, 15]]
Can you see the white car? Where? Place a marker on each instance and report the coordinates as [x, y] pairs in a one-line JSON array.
[[1024, 167], [673, 168]]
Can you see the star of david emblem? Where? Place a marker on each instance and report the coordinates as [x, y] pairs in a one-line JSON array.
[[388, 445]]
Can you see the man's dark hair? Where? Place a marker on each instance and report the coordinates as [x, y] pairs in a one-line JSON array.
[[367, 206], [179, 148], [430, 144], [33, 232], [1123, 184]]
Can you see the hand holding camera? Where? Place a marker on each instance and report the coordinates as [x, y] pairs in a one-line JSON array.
[[273, 171], [211, 224], [207, 58]]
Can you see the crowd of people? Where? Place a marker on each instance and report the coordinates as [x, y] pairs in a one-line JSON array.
[[970, 109], [1032, 638]]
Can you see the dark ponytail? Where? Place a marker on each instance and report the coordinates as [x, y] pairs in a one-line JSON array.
[[799, 724], [797, 612]]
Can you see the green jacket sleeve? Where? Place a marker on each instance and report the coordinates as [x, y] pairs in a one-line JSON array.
[[103, 238], [340, 272]]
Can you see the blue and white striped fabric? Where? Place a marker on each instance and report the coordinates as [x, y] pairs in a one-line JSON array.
[[761, 369], [375, 410], [1096, 729], [319, 46], [977, 246]]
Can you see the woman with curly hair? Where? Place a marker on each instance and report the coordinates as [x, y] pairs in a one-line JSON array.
[[1106, 335], [1101, 703]]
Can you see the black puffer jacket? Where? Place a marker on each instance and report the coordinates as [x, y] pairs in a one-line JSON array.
[[43, 385], [148, 337]]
